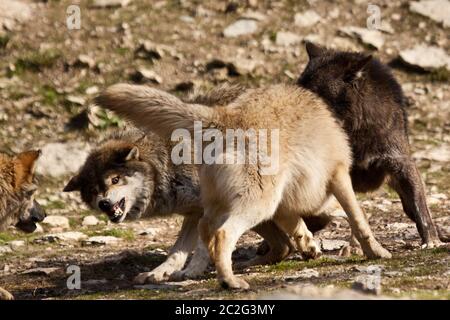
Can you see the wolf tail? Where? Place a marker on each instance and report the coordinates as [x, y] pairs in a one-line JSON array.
[[153, 110]]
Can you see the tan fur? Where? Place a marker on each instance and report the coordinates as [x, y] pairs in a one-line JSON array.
[[16, 175], [314, 162]]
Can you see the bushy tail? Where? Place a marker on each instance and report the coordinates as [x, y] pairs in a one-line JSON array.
[[153, 110]]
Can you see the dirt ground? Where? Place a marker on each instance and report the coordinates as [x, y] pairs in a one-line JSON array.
[[45, 89]]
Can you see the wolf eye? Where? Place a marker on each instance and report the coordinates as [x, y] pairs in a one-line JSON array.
[[115, 180]]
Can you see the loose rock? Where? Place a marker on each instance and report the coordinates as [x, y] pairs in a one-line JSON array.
[[110, 3], [13, 12], [306, 19], [16, 244], [330, 245], [287, 39], [441, 154], [71, 236], [426, 57], [41, 271], [84, 61], [240, 28], [143, 75], [368, 284], [101, 240], [5, 249], [90, 221], [373, 38], [56, 222], [437, 10], [59, 159]]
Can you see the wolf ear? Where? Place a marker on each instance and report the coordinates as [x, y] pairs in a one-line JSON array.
[[27, 159], [314, 50], [133, 154], [355, 67], [73, 184]]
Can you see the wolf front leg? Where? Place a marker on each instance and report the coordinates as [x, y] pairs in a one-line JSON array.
[[341, 187], [196, 267], [220, 230], [178, 254]]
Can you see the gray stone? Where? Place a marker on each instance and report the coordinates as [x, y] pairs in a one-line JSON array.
[[440, 154], [13, 12], [71, 236], [16, 244], [437, 10], [150, 50], [110, 3], [426, 57], [330, 245], [373, 38], [59, 159], [372, 269], [240, 28], [306, 19], [41, 271], [5, 249], [399, 226], [56, 222], [93, 282], [101, 240], [254, 15], [368, 284], [90, 221], [149, 232], [287, 38], [303, 274], [147, 75], [85, 61], [76, 100]]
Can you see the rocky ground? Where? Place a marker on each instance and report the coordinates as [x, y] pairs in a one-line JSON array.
[[48, 74]]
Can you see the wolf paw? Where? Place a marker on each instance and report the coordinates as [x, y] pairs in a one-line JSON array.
[[234, 283], [184, 275], [311, 251], [349, 250], [436, 243], [151, 277], [376, 251]]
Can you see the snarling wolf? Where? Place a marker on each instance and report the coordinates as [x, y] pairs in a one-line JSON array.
[[17, 188], [130, 176], [364, 95], [314, 163]]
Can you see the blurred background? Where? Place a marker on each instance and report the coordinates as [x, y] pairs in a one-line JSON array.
[[56, 55]]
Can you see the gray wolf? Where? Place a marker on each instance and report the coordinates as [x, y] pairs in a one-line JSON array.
[[364, 95], [17, 188], [130, 176], [314, 163]]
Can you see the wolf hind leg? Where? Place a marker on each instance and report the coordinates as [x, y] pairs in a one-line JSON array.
[[220, 231], [279, 246], [406, 181], [295, 226], [341, 187]]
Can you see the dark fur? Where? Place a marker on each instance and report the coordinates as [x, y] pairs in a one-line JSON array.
[[364, 95]]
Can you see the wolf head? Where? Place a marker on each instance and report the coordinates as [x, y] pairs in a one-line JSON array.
[[333, 75], [114, 180], [17, 188]]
